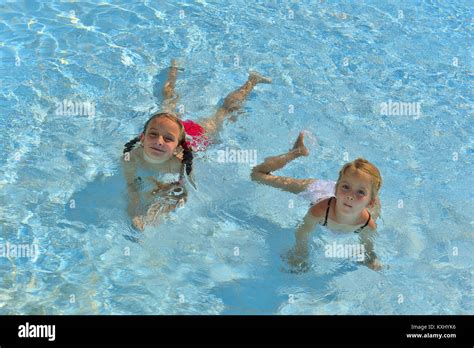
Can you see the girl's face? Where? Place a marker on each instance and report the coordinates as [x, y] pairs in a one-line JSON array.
[[161, 139], [353, 192]]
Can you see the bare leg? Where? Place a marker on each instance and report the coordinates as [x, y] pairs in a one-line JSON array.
[[261, 172], [170, 97], [232, 102]]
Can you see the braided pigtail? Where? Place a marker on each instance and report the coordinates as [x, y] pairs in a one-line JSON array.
[[187, 157], [130, 145]]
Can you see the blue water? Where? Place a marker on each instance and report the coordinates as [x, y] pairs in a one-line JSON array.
[[332, 65]]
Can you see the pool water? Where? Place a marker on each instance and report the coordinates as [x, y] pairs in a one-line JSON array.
[[334, 65]]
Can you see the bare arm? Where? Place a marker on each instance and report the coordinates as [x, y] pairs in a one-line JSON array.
[[129, 167], [299, 253], [365, 238]]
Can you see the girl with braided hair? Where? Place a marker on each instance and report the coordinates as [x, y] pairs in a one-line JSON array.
[[163, 156], [349, 205], [164, 152]]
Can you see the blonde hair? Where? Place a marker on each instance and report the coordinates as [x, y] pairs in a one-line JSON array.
[[365, 166]]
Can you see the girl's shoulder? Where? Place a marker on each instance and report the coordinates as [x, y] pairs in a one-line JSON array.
[[176, 164], [372, 226], [319, 209], [132, 157]]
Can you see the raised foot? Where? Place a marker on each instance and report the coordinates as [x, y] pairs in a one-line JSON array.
[[299, 146], [258, 78]]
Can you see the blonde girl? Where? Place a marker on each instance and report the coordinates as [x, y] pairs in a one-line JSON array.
[[350, 204]]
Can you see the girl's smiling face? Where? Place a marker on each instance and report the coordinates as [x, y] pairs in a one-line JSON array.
[[161, 139], [353, 192]]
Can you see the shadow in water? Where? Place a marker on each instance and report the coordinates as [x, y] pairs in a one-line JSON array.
[[101, 202], [266, 291]]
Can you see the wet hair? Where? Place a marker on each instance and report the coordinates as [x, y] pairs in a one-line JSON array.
[[365, 166], [187, 151]]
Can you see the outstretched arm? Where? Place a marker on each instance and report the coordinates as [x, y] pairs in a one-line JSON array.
[[129, 168], [371, 259], [299, 254]]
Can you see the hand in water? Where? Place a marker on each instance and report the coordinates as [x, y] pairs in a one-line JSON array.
[[297, 261]]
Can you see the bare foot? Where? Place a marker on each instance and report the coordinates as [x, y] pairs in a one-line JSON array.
[[256, 77], [299, 146], [138, 223], [175, 65]]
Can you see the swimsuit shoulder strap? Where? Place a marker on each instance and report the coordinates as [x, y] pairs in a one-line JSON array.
[[327, 212], [367, 222]]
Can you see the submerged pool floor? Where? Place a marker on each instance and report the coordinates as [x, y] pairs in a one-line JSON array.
[[388, 81]]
